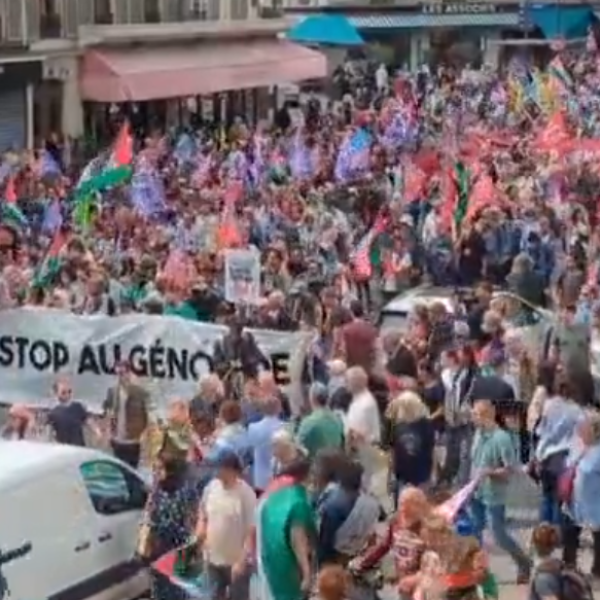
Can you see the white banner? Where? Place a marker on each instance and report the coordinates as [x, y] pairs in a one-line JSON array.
[[167, 354]]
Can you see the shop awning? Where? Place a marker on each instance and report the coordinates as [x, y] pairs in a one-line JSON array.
[[557, 21], [387, 21], [332, 30], [138, 74]]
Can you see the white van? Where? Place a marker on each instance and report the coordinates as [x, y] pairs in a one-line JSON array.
[[69, 520]]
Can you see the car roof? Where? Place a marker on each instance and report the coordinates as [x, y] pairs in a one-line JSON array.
[[22, 460], [424, 294]]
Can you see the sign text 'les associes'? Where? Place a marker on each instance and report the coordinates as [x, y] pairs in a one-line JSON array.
[[457, 8]]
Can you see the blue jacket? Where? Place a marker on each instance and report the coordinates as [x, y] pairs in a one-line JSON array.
[[334, 510], [585, 507], [557, 427]]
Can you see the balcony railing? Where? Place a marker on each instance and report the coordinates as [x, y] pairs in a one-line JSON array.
[[50, 26]]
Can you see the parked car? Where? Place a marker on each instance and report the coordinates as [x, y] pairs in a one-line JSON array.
[[533, 320], [70, 519]]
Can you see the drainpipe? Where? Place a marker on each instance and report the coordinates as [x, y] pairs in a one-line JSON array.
[[24, 24]]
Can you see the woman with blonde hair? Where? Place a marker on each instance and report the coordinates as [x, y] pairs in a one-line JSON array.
[[412, 436], [462, 563], [286, 451]]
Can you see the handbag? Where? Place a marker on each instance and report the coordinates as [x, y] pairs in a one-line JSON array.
[[566, 482]]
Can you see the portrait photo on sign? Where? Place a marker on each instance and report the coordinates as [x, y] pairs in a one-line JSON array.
[[242, 276]]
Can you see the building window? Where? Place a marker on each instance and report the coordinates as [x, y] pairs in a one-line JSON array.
[[103, 12], [152, 11], [199, 10], [240, 9], [50, 21]]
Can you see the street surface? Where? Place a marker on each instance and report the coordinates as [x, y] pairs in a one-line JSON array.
[[522, 513]]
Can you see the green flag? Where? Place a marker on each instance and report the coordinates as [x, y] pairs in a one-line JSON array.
[[82, 214], [51, 264], [462, 178], [280, 511]]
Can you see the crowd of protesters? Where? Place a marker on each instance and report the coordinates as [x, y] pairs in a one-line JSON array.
[[464, 180]]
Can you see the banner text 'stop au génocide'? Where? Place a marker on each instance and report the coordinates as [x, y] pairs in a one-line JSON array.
[[169, 354]]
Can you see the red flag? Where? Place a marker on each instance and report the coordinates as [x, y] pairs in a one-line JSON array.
[[414, 182], [123, 152], [428, 161], [10, 193], [482, 195], [554, 135], [362, 254], [228, 235], [449, 199], [177, 269], [58, 243]]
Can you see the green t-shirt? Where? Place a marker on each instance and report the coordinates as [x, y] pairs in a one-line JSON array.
[[493, 450], [320, 430], [278, 514], [183, 310]]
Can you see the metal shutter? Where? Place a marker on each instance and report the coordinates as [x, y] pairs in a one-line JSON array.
[[12, 119]]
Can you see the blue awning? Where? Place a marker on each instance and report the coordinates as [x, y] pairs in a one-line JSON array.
[[333, 30], [389, 21], [556, 21], [400, 21]]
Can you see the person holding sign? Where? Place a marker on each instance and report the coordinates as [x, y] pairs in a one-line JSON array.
[[237, 357]]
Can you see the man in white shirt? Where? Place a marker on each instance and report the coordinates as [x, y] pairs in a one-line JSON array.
[[224, 528], [363, 422], [382, 79]]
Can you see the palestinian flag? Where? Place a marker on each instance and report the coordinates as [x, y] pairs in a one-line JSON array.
[[52, 260], [117, 171], [10, 213], [181, 568]]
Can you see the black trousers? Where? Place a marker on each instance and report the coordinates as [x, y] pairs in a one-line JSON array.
[[128, 453], [571, 534]]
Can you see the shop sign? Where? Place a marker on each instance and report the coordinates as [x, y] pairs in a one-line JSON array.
[[458, 8]]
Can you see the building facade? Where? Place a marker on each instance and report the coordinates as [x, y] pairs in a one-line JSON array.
[[58, 58], [422, 31]]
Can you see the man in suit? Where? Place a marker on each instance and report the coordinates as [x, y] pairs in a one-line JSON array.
[[128, 412]]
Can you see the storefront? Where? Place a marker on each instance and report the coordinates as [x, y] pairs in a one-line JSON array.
[[17, 83], [211, 79], [435, 32]]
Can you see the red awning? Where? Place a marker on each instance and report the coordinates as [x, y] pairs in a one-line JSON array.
[[176, 72]]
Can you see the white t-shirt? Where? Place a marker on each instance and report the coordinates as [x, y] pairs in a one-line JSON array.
[[229, 514], [381, 77], [363, 417]]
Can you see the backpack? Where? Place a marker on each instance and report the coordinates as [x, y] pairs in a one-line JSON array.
[[573, 584]]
